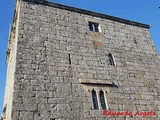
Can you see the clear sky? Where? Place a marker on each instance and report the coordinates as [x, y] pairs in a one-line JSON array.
[[144, 11]]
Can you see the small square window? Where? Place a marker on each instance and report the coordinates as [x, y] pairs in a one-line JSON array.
[[94, 27]]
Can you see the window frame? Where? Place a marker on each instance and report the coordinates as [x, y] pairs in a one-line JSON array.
[[95, 100], [111, 59], [102, 100], [95, 27]]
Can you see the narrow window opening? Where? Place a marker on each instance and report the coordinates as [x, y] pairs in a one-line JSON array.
[[111, 60], [94, 27], [102, 100], [94, 98], [69, 58]]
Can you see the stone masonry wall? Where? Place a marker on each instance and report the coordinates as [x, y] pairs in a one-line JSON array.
[[48, 85]]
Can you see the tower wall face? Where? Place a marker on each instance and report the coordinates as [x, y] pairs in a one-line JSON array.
[[11, 61], [60, 61]]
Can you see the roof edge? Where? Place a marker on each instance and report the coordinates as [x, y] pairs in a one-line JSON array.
[[87, 12]]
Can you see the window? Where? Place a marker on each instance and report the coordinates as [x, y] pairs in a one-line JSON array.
[[69, 55], [94, 27], [99, 102], [4, 113], [111, 59], [94, 98], [102, 100]]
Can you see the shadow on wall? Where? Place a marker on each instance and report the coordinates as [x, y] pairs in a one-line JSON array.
[[4, 113]]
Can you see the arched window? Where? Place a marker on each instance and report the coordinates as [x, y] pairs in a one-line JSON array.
[[111, 59], [102, 99], [69, 55], [94, 98]]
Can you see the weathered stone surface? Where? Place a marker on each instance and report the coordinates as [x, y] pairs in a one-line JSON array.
[[53, 52]]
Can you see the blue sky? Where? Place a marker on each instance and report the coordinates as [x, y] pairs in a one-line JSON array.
[[144, 11]]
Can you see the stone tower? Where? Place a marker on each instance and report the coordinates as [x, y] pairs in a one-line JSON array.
[[66, 63]]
